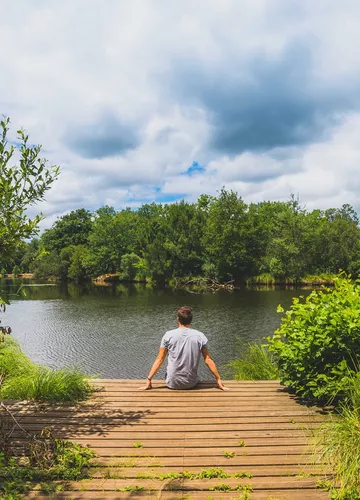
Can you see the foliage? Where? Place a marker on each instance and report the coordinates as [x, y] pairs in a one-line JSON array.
[[49, 459], [226, 235], [130, 266], [112, 236], [70, 229], [22, 379], [338, 443], [256, 363], [21, 186], [218, 237], [318, 342]]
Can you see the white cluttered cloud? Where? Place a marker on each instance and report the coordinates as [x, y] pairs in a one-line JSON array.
[[128, 96]]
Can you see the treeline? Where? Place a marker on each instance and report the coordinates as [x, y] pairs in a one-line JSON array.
[[220, 237]]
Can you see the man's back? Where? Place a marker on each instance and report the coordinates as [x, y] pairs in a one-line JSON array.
[[184, 351]]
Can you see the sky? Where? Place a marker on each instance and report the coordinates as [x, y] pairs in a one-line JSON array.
[[162, 100]]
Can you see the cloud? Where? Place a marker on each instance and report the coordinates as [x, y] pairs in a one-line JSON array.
[[107, 136], [141, 101]]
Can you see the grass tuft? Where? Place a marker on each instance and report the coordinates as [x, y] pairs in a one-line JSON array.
[[23, 380], [256, 363], [338, 443]]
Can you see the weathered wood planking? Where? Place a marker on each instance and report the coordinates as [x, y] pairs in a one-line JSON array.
[[257, 428]]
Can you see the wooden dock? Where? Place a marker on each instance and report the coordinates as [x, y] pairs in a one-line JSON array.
[[257, 434]]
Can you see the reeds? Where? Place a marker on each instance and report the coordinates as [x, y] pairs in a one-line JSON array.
[[338, 444], [256, 363]]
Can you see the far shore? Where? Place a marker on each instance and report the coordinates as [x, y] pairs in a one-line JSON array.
[[111, 278]]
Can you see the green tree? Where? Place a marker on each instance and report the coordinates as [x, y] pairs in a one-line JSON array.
[[130, 266], [49, 265], [75, 262], [228, 239], [151, 237], [113, 235], [183, 224], [22, 184], [70, 229], [285, 252], [30, 254]]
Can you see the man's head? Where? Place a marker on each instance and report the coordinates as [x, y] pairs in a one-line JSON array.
[[184, 315]]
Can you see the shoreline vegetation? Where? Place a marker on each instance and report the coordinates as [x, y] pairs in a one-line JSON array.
[[201, 283], [316, 354], [21, 379]]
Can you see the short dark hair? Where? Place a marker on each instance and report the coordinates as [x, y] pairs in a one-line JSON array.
[[185, 315]]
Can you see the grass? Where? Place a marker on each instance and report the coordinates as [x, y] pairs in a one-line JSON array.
[[338, 443], [24, 380], [256, 363]]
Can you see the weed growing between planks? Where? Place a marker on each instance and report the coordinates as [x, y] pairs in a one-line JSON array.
[[44, 459]]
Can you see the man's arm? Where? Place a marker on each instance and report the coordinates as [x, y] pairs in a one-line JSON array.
[[210, 363], [155, 367]]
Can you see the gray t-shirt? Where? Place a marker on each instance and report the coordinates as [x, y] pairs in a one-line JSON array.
[[184, 350]]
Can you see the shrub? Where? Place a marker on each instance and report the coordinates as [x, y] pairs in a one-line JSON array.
[[256, 363], [318, 342]]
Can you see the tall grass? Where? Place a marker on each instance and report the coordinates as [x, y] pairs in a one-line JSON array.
[[256, 363], [22, 379], [338, 443]]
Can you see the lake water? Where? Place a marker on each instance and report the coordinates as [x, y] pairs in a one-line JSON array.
[[115, 332]]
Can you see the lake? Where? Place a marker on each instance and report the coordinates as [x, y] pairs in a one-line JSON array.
[[115, 332]]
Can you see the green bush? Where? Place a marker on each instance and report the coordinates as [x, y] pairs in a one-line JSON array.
[[318, 342], [256, 363], [22, 379]]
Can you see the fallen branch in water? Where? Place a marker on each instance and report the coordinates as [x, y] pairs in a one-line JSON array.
[[210, 284]]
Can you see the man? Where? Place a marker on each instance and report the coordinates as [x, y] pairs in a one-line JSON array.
[[184, 346]]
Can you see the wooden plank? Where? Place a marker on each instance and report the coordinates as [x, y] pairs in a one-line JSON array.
[[149, 444], [129, 427], [254, 470], [166, 434], [199, 462], [222, 406], [192, 393], [195, 396], [106, 451], [203, 382], [288, 494], [257, 483], [239, 413], [219, 406], [169, 421]]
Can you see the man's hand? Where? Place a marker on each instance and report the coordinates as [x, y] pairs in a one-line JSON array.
[[221, 386], [146, 387]]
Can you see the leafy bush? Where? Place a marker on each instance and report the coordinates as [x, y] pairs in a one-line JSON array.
[[22, 379], [318, 342], [256, 363]]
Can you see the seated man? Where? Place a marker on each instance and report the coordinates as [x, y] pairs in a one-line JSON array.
[[185, 347]]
